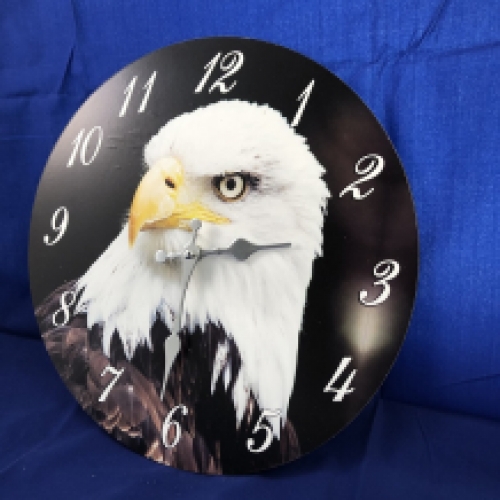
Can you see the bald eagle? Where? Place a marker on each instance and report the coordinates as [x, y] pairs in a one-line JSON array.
[[243, 171]]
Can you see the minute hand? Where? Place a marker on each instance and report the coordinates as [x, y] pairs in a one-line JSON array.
[[242, 249]]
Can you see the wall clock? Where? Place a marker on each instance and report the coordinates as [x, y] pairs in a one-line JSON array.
[[223, 255]]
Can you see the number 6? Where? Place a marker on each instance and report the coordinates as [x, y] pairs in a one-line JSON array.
[[169, 422]]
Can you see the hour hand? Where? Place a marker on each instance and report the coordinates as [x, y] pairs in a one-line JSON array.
[[189, 257], [241, 249]]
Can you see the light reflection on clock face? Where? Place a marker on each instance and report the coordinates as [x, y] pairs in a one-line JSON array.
[[277, 353]]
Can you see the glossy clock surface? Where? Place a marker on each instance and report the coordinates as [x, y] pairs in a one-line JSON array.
[[236, 361]]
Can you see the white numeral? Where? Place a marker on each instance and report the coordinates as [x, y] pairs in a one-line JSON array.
[[375, 165], [345, 389], [148, 87], [129, 90], [59, 227], [386, 270], [67, 300], [229, 64], [83, 149], [117, 374], [303, 98], [168, 423], [262, 425]]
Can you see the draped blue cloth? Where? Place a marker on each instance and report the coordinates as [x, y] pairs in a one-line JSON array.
[[430, 72]]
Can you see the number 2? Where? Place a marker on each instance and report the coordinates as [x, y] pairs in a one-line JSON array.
[[374, 168]]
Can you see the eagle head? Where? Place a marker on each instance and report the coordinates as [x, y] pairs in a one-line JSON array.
[[244, 172]]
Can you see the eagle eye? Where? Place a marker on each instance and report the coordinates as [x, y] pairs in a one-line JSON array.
[[230, 187], [170, 183]]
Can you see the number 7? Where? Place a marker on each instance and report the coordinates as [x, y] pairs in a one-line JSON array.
[[117, 374]]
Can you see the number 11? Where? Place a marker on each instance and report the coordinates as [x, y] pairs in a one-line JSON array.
[[129, 89]]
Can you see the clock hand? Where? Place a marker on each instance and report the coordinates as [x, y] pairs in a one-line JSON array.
[[189, 257], [242, 249]]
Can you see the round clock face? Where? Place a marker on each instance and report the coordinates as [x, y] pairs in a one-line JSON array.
[[223, 255]]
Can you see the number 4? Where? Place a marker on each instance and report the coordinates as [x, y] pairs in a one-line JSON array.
[[345, 389]]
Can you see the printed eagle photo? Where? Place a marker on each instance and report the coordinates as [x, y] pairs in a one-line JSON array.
[[242, 171]]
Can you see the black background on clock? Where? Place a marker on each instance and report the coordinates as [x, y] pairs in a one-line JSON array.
[[357, 234]]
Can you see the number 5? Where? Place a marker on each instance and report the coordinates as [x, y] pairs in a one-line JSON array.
[[269, 433]]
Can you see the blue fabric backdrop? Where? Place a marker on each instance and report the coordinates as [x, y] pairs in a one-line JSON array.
[[430, 71]]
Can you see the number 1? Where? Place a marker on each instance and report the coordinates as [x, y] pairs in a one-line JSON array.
[[147, 87], [304, 97]]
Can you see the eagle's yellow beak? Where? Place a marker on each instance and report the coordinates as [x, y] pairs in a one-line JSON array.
[[156, 201]]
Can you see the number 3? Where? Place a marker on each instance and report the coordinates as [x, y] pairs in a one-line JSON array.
[[386, 270]]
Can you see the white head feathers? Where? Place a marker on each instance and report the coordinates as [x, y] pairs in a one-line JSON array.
[[259, 302]]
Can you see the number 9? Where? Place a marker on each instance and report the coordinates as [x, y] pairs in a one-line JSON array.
[[60, 228]]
